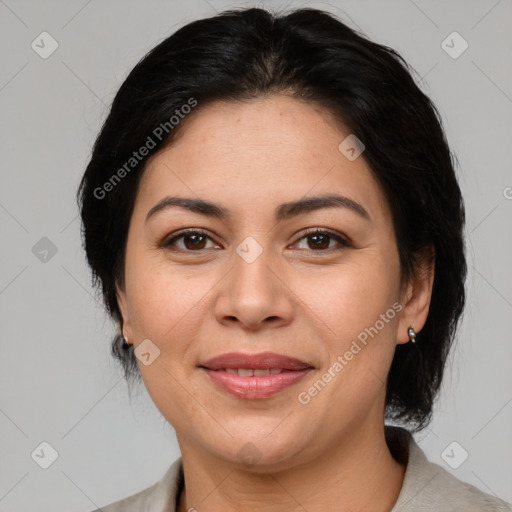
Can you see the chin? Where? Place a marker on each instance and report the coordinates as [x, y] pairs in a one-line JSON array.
[[259, 453]]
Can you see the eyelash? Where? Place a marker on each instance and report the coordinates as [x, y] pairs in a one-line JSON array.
[[342, 241]]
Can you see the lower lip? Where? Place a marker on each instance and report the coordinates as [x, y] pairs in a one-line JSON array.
[[255, 388]]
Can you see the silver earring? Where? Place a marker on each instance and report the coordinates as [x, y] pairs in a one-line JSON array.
[[412, 334]]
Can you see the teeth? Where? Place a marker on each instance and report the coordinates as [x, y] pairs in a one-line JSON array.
[[247, 372]]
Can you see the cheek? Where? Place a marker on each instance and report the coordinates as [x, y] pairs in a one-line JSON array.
[[168, 308], [358, 312], [162, 297], [351, 298]]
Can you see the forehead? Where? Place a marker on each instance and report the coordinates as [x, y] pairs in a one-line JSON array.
[[260, 152]]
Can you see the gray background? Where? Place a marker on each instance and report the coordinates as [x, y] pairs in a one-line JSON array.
[[59, 383]]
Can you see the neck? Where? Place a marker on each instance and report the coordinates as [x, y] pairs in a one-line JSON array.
[[359, 473]]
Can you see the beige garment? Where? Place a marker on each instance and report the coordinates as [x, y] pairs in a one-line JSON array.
[[427, 487]]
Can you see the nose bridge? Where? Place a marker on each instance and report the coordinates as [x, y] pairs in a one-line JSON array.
[[251, 268], [253, 294]]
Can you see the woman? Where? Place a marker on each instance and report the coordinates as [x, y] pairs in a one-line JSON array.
[[272, 214]]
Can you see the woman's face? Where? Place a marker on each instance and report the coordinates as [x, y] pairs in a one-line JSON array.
[[253, 281]]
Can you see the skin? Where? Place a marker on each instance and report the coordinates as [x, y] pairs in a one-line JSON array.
[[294, 299]]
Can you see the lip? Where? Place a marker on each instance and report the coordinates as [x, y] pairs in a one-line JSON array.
[[260, 361], [255, 387]]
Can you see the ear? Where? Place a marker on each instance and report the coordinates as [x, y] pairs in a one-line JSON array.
[[417, 295], [123, 308]]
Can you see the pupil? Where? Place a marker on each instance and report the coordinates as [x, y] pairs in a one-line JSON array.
[[196, 241], [320, 245]]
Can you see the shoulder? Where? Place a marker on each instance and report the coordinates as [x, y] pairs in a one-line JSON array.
[[160, 497], [460, 496], [428, 486], [138, 501]]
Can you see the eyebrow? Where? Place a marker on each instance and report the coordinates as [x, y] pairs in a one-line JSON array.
[[284, 211]]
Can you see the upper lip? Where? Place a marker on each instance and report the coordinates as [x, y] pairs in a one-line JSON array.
[[260, 361]]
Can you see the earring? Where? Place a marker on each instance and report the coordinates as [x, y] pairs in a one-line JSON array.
[[412, 334], [126, 345]]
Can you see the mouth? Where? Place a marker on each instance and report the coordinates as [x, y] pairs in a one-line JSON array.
[[255, 376]]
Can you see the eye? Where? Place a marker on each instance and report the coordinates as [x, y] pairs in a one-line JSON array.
[[320, 240], [193, 240]]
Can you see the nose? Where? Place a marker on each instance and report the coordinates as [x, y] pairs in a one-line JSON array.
[[254, 295]]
